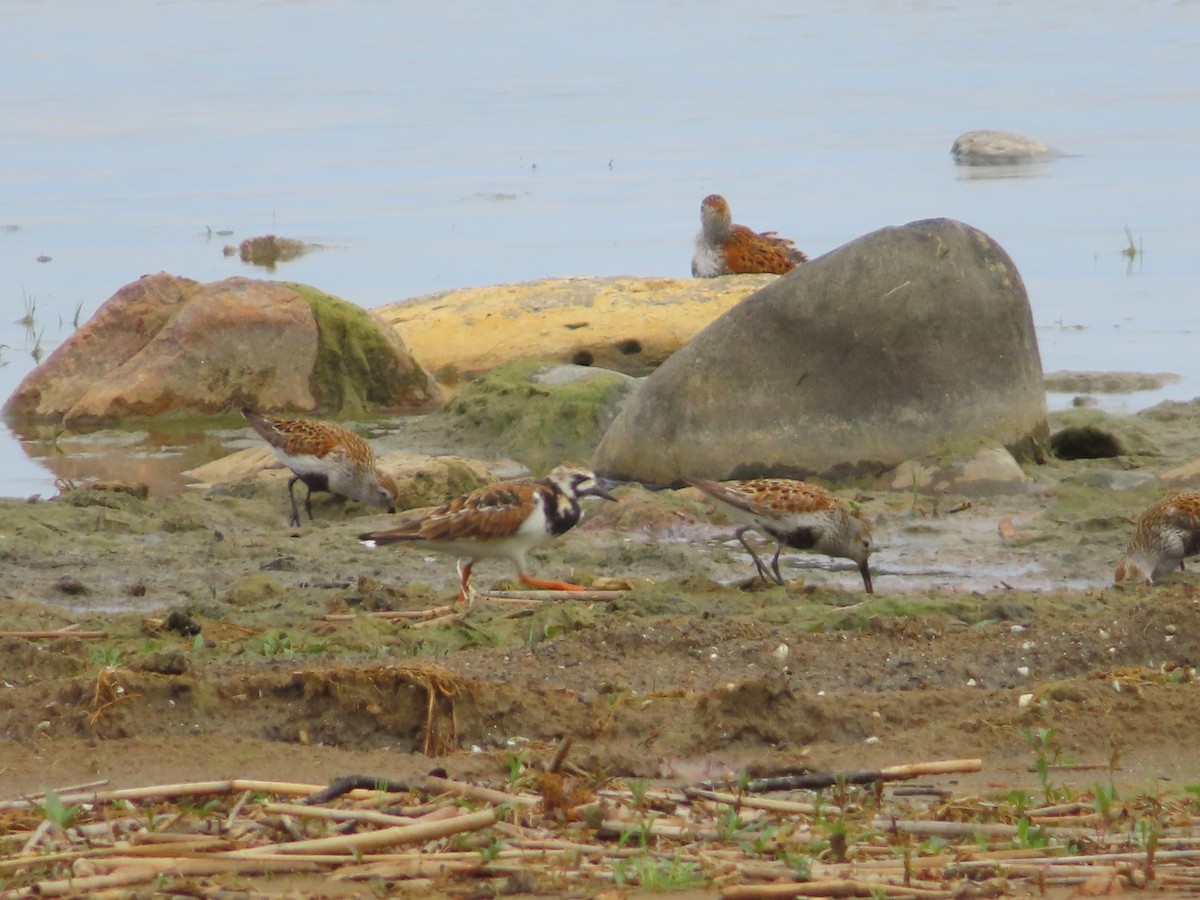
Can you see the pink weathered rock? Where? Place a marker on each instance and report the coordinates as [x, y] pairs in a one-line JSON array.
[[164, 344]]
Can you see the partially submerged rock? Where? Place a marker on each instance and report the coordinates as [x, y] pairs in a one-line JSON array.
[[270, 249], [627, 324], [990, 147], [903, 343], [1107, 382], [165, 344]]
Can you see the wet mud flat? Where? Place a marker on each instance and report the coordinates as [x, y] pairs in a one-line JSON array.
[[994, 634]]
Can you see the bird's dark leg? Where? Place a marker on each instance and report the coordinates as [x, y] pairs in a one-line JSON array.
[[307, 502], [758, 563], [294, 521], [775, 564]]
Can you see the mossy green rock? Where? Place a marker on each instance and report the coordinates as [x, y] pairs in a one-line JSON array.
[[526, 411], [166, 344], [251, 589]]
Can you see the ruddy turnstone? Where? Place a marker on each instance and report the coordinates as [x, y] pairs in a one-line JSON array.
[[1163, 535], [326, 457], [723, 248], [796, 514], [504, 520]]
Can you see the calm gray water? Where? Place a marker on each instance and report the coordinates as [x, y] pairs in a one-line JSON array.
[[431, 146]]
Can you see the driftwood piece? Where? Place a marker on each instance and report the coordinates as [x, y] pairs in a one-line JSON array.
[[819, 780], [51, 635], [355, 844]]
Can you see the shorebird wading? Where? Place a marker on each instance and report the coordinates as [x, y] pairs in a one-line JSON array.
[[326, 457], [1163, 535], [796, 514], [723, 248], [501, 521]]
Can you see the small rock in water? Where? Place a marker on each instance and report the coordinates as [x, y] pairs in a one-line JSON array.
[[991, 147]]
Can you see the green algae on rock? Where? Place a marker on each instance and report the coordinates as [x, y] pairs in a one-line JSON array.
[[165, 345]]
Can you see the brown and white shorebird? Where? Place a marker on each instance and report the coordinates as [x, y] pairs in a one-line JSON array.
[[326, 457], [504, 520], [723, 248], [796, 514], [1163, 535]]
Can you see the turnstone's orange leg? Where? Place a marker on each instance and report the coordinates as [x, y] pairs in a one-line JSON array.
[[758, 563], [465, 593], [549, 585]]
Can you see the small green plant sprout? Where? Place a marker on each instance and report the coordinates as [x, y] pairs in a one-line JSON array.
[[799, 863], [201, 810], [277, 644], [729, 824], [1047, 753], [764, 842], [637, 791], [490, 851], [108, 657], [655, 874], [56, 812], [1103, 796], [520, 777], [1148, 833], [1029, 836], [1020, 800]]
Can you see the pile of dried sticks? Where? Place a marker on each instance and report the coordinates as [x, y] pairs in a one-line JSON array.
[[556, 833]]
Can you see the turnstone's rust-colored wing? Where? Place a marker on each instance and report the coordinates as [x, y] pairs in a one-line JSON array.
[[770, 496], [1183, 510], [748, 252], [308, 437], [490, 512]]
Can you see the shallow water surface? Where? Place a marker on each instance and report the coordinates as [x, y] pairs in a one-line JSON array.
[[430, 147]]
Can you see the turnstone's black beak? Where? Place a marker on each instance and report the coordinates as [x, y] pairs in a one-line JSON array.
[[601, 488], [866, 574]]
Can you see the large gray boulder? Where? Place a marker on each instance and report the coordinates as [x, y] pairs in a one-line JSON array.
[[909, 341]]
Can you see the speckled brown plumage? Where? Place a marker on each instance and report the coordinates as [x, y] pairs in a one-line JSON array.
[[504, 520], [725, 248], [1163, 536], [326, 457], [796, 514]]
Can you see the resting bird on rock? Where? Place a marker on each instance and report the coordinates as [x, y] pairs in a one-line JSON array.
[[723, 248]]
